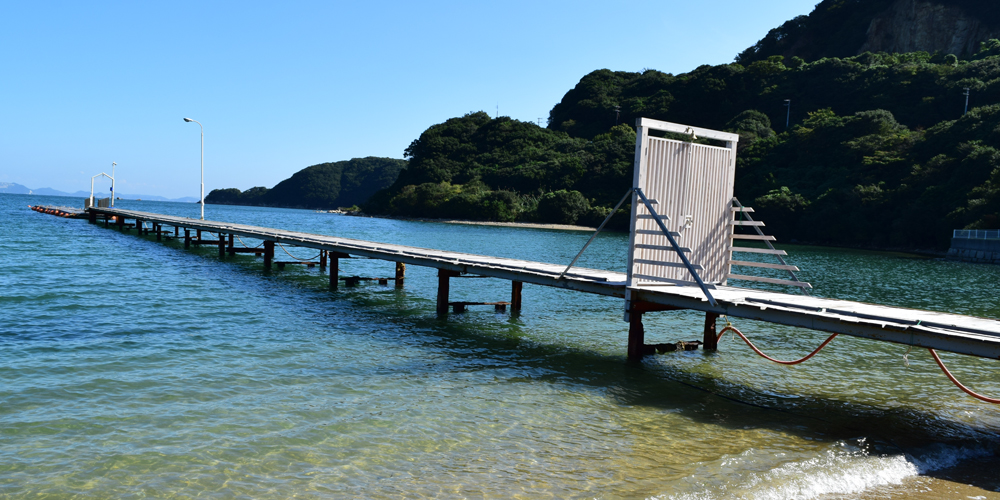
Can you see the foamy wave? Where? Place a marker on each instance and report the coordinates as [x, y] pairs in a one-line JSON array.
[[844, 471]]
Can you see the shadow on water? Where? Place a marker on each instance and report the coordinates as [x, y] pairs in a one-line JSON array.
[[484, 341]]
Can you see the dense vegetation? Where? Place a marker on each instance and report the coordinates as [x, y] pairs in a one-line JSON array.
[[474, 167], [327, 185]]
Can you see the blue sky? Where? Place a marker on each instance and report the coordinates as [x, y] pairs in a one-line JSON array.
[[280, 87]]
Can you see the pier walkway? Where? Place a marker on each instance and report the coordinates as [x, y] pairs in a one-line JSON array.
[[947, 332]]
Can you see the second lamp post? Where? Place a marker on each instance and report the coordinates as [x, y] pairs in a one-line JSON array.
[[202, 166]]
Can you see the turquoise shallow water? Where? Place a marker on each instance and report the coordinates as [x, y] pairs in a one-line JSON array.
[[133, 368]]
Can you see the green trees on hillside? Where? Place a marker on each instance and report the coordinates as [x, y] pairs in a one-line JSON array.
[[327, 185], [505, 170]]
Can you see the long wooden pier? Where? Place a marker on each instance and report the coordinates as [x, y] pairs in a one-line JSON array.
[[947, 332]]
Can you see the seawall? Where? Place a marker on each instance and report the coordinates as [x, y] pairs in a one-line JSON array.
[[975, 250]]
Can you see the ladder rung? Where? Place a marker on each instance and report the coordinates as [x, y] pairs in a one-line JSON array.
[[742, 209], [650, 217], [800, 284], [747, 223], [661, 247], [681, 265], [656, 231], [783, 267], [753, 237], [756, 250]]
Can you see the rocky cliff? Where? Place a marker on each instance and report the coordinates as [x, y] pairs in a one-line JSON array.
[[915, 25], [845, 28]]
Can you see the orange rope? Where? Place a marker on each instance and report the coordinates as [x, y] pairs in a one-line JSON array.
[[959, 384], [745, 339]]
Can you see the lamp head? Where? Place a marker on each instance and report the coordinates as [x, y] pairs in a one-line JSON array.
[[188, 120]]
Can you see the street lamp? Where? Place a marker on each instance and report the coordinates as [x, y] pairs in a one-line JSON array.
[[966, 101], [202, 165], [113, 164]]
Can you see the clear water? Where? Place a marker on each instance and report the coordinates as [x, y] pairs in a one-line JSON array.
[[135, 368]]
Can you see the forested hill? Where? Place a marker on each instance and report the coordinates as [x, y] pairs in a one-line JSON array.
[[323, 186], [878, 152]]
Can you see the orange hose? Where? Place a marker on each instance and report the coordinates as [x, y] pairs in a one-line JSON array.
[[959, 384], [745, 339]]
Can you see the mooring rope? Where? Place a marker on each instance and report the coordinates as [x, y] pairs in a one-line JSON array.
[[296, 258], [959, 384], [730, 328], [247, 246]]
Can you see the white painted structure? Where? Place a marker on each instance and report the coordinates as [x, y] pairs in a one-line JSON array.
[[690, 187]]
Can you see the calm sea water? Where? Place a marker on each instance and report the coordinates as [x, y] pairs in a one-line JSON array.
[[135, 368]]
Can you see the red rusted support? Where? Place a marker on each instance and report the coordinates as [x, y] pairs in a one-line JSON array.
[[636, 336], [232, 247], [444, 277], [400, 274], [187, 238], [711, 340], [515, 296], [268, 254]]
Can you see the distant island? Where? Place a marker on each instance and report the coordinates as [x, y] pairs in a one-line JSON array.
[[15, 188]]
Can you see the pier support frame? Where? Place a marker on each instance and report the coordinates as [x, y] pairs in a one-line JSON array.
[[322, 261], [515, 296], [400, 274], [335, 267], [159, 231], [92, 217], [222, 246], [232, 247], [444, 284], [711, 340], [187, 238], [637, 347], [268, 254]]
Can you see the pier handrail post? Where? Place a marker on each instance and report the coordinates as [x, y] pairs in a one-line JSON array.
[[677, 248]]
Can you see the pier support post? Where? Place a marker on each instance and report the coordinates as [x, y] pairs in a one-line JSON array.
[[121, 223], [400, 274], [334, 270], [187, 238], [176, 231], [711, 340], [222, 246], [268, 254], [444, 283], [92, 217], [322, 261], [199, 235], [159, 231], [515, 296], [106, 220], [232, 247], [636, 336]]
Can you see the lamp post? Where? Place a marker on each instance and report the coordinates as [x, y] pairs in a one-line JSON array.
[[788, 116], [113, 164], [202, 165], [966, 101]]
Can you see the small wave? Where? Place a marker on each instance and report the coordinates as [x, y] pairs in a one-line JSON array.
[[847, 469]]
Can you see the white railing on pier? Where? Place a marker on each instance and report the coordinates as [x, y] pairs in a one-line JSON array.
[[977, 234]]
